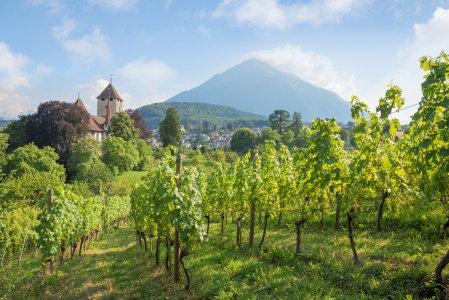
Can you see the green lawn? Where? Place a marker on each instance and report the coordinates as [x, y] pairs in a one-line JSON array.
[[133, 176], [394, 263]]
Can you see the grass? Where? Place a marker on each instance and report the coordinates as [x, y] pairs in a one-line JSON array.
[[397, 263], [133, 176]]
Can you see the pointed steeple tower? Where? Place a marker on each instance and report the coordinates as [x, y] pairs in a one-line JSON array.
[[80, 103], [107, 120]]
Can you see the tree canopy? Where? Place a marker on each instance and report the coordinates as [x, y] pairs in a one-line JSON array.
[[58, 125], [17, 133], [243, 140], [30, 158], [280, 120], [139, 123], [122, 126], [170, 129]]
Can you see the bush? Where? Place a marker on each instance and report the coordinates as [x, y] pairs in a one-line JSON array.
[[29, 188], [30, 158], [145, 156]]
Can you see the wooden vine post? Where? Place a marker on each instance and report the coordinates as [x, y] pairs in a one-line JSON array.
[[177, 248], [50, 206]]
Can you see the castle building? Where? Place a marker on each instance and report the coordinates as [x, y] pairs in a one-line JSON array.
[[109, 103]]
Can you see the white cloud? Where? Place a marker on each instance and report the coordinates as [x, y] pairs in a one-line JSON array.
[[204, 31], [148, 71], [430, 39], [168, 3], [42, 69], [61, 33], [271, 13], [114, 4], [55, 5], [89, 93], [313, 68], [89, 47], [12, 77]]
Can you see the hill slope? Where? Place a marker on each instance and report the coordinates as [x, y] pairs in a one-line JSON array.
[[257, 87], [215, 114]]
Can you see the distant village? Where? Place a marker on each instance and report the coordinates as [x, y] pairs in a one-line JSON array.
[[212, 140]]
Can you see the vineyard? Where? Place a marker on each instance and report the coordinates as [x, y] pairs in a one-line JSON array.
[[317, 222]]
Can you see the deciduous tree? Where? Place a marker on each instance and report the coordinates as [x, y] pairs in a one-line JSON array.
[[123, 126], [243, 140], [58, 125]]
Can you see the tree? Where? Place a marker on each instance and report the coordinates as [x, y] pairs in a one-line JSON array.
[[344, 136], [30, 158], [187, 127], [199, 138], [296, 124], [287, 138], [86, 151], [119, 155], [122, 126], [145, 156], [215, 127], [58, 125], [139, 123], [85, 164], [203, 149], [243, 140], [230, 126], [268, 134], [280, 120], [17, 133], [170, 128], [3, 144], [206, 125]]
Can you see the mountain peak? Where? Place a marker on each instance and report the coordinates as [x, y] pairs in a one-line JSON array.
[[257, 87]]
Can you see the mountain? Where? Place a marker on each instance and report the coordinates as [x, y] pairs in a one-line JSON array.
[[215, 114], [257, 87]]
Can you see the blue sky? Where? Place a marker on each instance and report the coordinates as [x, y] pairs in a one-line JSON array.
[[53, 49]]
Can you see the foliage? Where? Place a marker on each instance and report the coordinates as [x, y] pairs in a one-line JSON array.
[[243, 141], [194, 112], [73, 217], [170, 129], [58, 125], [30, 158], [145, 156], [85, 164], [119, 155], [139, 123], [122, 126], [280, 120], [29, 188], [296, 124], [17, 133], [3, 144]]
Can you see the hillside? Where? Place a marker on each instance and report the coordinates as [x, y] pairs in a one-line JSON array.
[[259, 88], [4, 123], [215, 114]]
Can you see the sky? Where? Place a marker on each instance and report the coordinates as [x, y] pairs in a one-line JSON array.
[[55, 49]]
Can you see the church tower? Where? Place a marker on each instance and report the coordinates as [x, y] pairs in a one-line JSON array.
[[109, 98]]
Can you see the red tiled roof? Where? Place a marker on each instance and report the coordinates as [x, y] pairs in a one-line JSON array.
[[114, 93], [95, 123], [80, 103]]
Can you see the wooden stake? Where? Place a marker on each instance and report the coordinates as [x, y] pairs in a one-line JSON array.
[[176, 272]]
